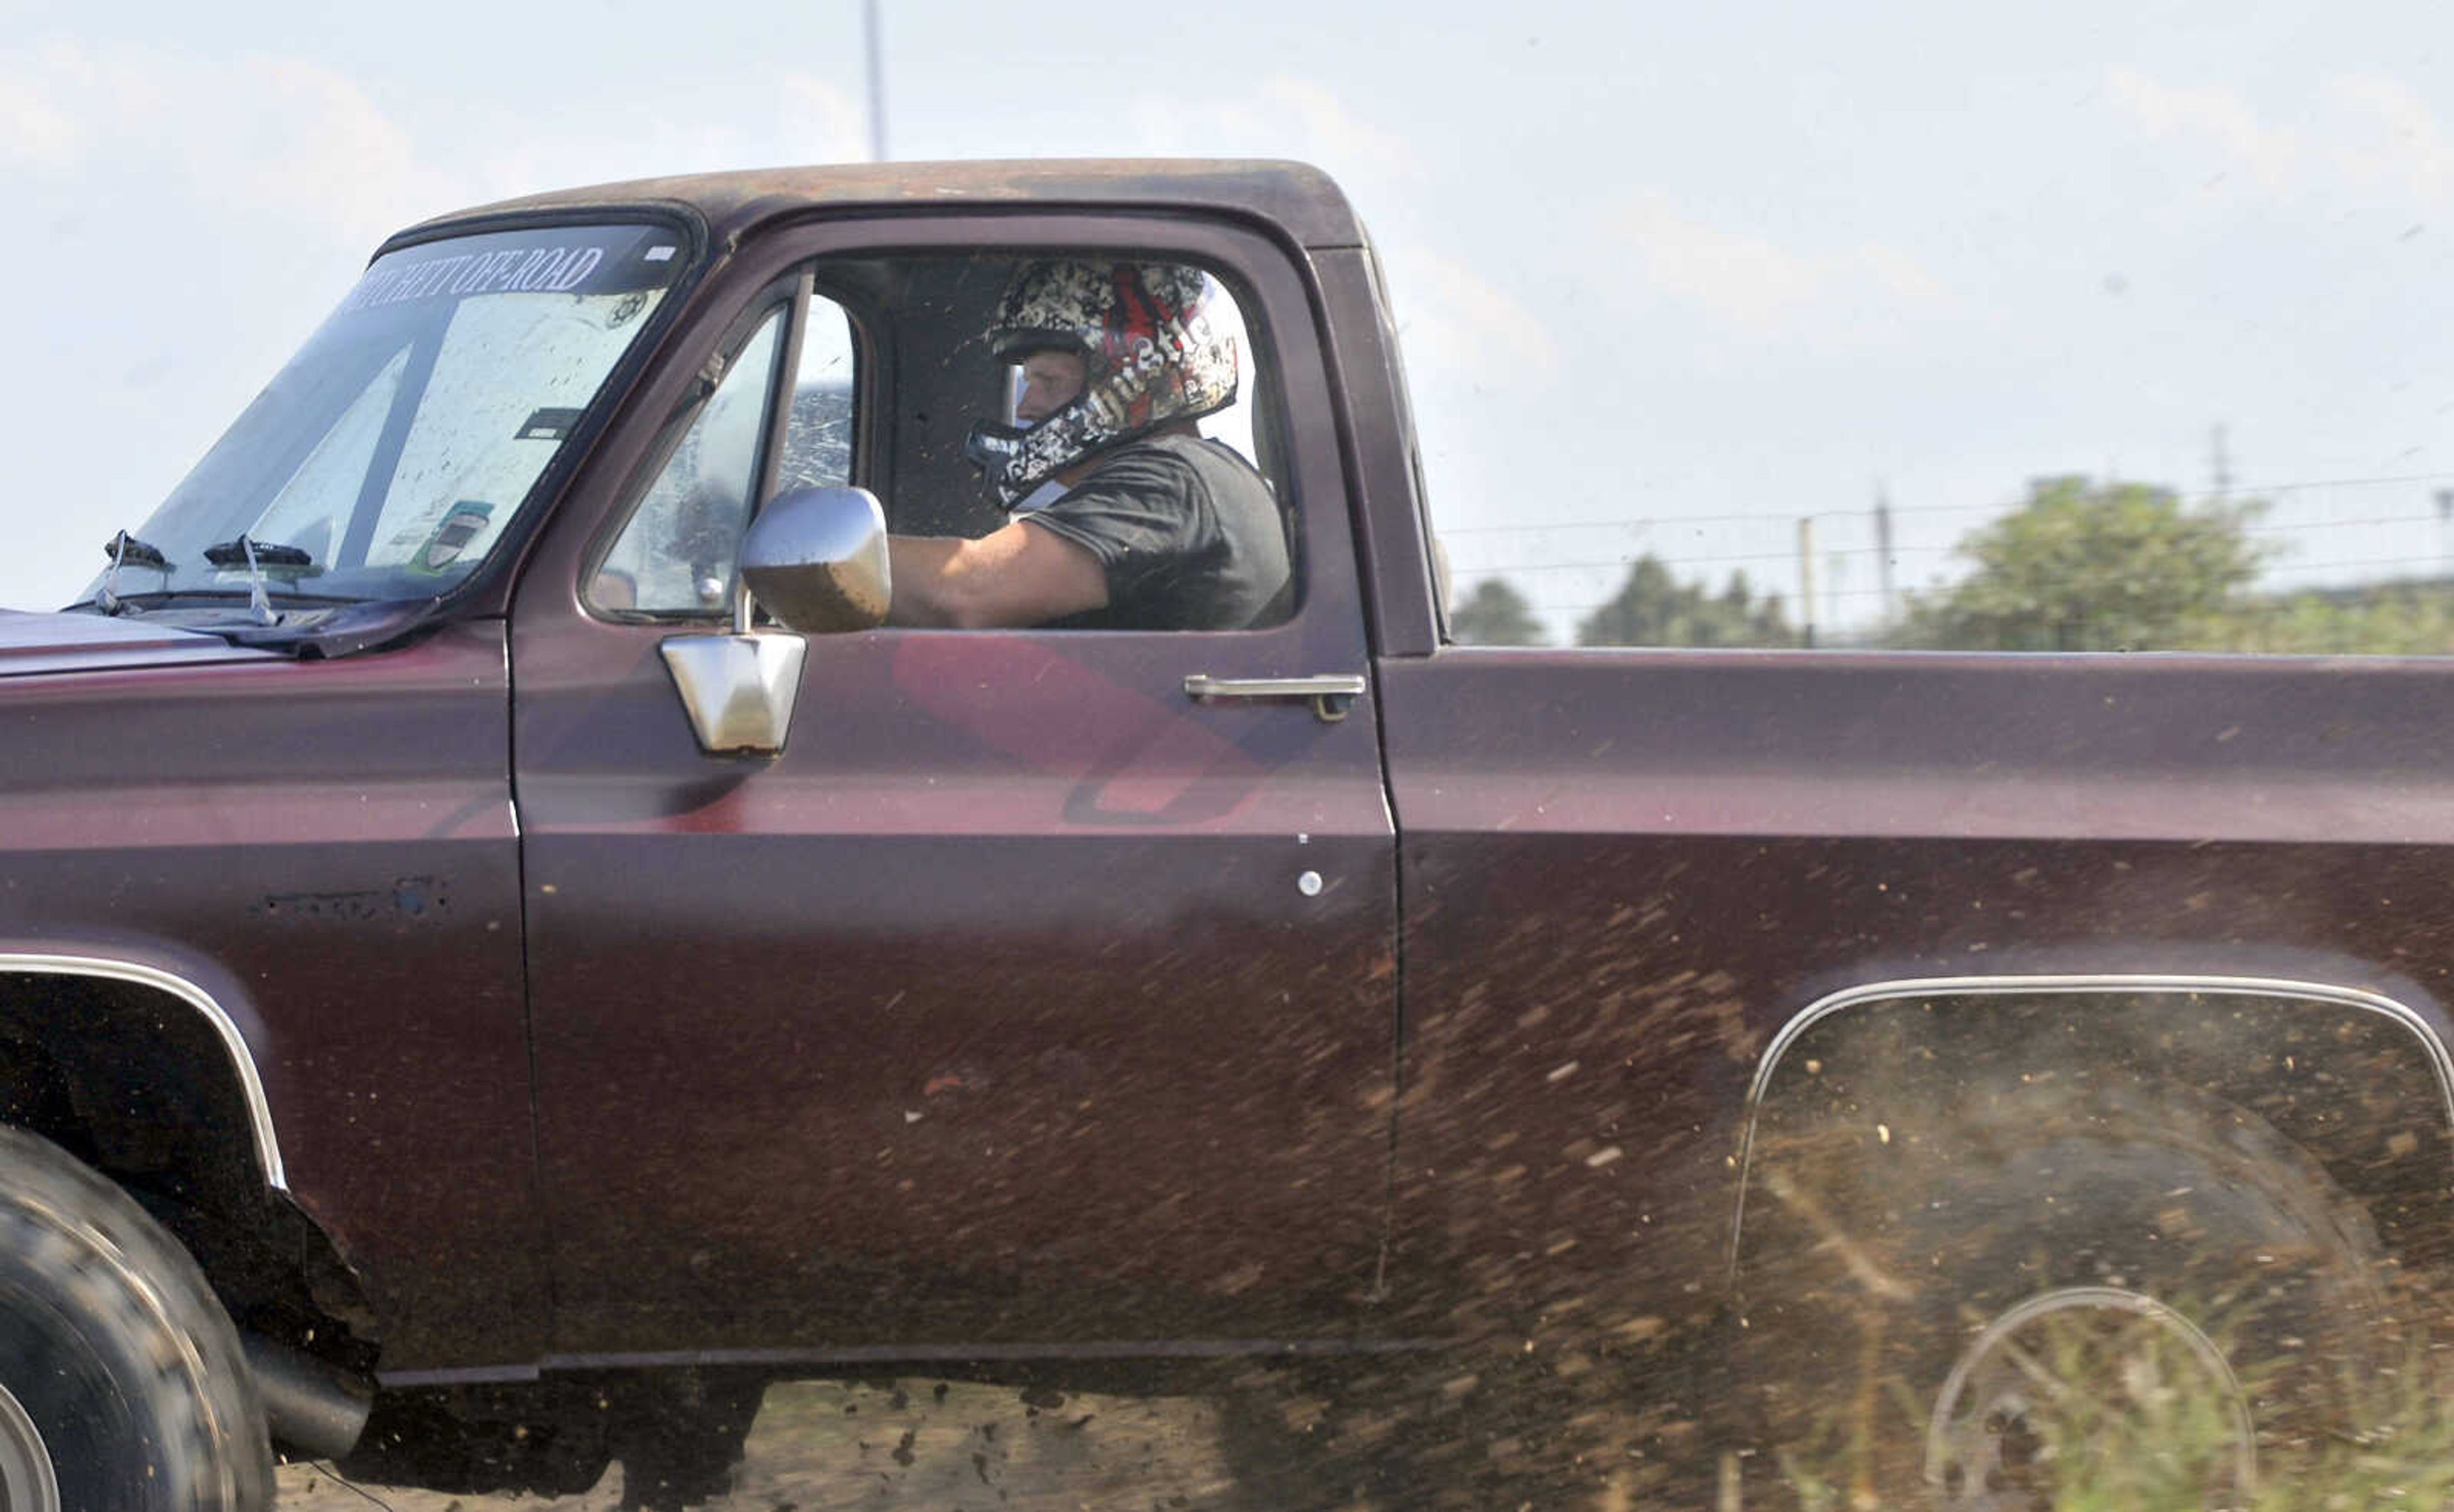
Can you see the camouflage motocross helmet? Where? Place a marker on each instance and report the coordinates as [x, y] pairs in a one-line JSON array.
[[1150, 352]]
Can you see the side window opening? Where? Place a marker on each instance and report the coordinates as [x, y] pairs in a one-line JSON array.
[[676, 554], [900, 368], [947, 342]]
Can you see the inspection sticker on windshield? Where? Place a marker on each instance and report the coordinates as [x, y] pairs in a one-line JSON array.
[[461, 524], [549, 424]]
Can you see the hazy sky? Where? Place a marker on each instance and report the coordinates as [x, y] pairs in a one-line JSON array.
[[1672, 276]]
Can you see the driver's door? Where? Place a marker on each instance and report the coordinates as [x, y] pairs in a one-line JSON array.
[[1021, 1002]]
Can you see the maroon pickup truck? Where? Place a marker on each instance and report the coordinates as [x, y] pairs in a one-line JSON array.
[[502, 954]]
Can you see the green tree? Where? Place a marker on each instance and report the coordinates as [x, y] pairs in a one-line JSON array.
[[1496, 615], [1654, 609], [2087, 566], [2376, 619]]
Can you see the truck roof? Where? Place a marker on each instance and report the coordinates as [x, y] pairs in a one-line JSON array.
[[1296, 198]]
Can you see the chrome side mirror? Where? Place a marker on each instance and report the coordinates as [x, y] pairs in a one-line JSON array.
[[815, 557]]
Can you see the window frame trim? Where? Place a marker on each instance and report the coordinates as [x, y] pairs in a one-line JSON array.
[[770, 301]]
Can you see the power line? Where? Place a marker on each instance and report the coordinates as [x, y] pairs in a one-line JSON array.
[[2290, 570], [1648, 522], [2334, 525], [1584, 606], [2345, 482], [1458, 569], [1683, 561], [1652, 521]]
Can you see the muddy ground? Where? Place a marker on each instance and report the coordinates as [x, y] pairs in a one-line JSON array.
[[820, 1446]]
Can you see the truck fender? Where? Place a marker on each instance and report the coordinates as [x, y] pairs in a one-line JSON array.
[[194, 999], [2086, 1025]]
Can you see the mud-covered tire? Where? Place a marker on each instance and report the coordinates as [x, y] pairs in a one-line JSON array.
[[1970, 1314], [129, 1389]]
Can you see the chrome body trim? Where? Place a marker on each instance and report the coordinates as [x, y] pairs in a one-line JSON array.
[[259, 1111], [2441, 1061], [824, 1355], [464, 1375], [999, 1354]]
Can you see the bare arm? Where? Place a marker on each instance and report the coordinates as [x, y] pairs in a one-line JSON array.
[[1015, 575]]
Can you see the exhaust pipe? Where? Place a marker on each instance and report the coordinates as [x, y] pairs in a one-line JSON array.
[[312, 1407]]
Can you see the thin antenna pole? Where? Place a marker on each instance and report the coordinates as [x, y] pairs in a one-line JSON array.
[[876, 83]]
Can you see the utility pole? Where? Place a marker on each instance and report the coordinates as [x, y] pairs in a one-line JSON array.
[[1884, 550], [2219, 456], [876, 83], [2445, 525], [1806, 578]]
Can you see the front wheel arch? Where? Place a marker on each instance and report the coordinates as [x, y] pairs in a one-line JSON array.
[[127, 1071]]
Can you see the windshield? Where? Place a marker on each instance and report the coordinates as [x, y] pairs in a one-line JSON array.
[[397, 446]]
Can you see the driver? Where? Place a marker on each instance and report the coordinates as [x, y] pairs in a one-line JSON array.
[[1124, 517]]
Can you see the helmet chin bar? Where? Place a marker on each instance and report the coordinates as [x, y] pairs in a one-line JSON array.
[[990, 444], [1018, 458]]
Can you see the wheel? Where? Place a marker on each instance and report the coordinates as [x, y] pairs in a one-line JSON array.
[[2112, 1372], [2059, 1297], [122, 1384], [27, 1481]]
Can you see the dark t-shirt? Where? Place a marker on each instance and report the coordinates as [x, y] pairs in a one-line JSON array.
[[1187, 534]]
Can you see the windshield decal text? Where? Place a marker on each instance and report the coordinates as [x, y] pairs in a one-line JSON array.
[[518, 269]]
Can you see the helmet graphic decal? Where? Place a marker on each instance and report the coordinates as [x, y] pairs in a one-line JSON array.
[[1149, 350]]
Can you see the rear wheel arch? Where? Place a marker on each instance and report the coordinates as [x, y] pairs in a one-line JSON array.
[[1942, 1181], [2277, 1051]]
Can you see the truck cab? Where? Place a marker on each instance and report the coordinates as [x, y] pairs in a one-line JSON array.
[[494, 909]]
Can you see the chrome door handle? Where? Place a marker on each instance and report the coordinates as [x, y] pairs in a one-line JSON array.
[[1330, 695]]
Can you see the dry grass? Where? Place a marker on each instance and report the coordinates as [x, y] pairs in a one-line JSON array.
[[2140, 1429]]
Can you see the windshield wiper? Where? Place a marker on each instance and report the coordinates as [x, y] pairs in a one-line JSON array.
[[127, 550], [256, 557]]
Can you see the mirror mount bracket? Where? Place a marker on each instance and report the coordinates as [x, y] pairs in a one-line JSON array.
[[738, 689]]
